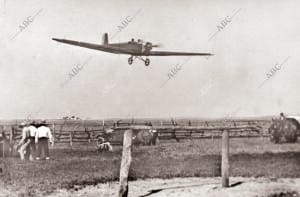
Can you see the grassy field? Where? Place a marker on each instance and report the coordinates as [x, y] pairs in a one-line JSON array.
[[72, 169]]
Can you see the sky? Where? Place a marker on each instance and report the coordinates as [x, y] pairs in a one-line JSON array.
[[254, 71]]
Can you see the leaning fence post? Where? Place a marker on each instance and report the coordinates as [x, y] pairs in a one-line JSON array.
[[125, 163], [225, 159]]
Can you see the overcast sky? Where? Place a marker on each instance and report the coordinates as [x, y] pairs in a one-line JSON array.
[[34, 70]]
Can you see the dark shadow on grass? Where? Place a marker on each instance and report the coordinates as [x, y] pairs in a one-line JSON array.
[[285, 194], [236, 184], [232, 185], [153, 191], [83, 183]]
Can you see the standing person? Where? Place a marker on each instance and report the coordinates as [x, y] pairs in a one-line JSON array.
[[42, 137], [5, 143], [23, 145], [282, 116], [32, 133]]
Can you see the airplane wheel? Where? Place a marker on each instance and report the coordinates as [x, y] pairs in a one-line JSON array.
[[130, 60], [147, 62]]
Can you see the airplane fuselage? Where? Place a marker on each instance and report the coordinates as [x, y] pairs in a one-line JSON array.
[[134, 47]]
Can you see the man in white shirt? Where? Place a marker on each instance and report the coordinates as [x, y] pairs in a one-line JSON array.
[[32, 133], [43, 135]]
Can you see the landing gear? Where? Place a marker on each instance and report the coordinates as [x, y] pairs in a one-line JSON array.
[[147, 62], [130, 60]]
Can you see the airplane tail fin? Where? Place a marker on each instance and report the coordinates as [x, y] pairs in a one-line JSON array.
[[105, 39]]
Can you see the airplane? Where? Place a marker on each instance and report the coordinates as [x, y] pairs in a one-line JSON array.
[[136, 49]]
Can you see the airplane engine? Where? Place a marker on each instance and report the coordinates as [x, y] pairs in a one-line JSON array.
[[148, 46]]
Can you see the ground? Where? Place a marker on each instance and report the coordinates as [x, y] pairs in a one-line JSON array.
[[82, 167], [193, 187]]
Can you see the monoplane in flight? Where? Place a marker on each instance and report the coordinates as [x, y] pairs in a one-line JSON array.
[[136, 49]]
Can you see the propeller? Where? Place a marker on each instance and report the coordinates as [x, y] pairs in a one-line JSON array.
[[157, 45], [150, 45]]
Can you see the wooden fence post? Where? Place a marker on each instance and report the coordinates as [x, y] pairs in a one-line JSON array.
[[88, 136], [225, 158], [71, 139], [11, 140], [3, 148], [125, 163], [53, 131]]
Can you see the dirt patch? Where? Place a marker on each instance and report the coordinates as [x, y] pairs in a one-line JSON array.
[[194, 187]]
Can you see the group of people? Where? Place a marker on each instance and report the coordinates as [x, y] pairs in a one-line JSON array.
[[34, 141]]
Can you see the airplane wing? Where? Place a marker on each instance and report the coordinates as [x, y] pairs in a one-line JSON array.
[[118, 50], [168, 53], [105, 48]]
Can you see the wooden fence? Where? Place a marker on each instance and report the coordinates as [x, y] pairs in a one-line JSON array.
[[83, 132]]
